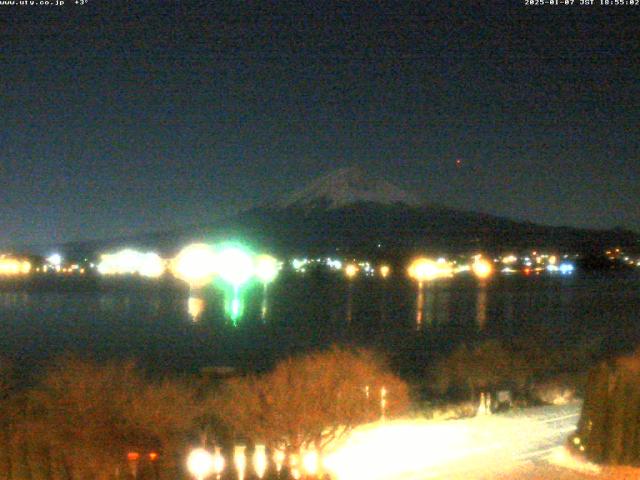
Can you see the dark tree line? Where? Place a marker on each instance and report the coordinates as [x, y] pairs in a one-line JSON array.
[[609, 427]]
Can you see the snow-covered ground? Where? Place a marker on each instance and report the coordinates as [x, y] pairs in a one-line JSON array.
[[479, 447]]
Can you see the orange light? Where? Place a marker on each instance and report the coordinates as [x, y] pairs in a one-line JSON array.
[[351, 270], [425, 269], [153, 456], [384, 271], [481, 267], [133, 456]]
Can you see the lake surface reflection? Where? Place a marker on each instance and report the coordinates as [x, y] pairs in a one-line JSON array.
[[154, 325]]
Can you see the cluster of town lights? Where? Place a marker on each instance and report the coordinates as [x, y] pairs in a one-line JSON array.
[[227, 266], [231, 268], [199, 265]]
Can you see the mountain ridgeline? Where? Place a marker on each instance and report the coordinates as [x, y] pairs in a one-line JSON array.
[[347, 212]]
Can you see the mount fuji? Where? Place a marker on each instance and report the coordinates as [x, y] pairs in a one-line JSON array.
[[348, 211], [348, 186]]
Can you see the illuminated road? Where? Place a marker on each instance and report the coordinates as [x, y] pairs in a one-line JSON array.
[[475, 448]]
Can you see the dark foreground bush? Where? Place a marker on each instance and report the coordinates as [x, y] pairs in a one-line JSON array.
[[609, 428]]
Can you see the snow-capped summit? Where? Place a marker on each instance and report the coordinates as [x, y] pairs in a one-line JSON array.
[[347, 186]]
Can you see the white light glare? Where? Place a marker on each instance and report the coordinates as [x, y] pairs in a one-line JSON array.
[[200, 463], [55, 260]]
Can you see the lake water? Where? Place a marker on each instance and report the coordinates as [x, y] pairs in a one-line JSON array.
[[151, 323]]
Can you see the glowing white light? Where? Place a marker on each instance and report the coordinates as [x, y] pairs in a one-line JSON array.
[[566, 268], [509, 259], [235, 266], [481, 267], [240, 460], [195, 264], [294, 462], [310, 462], [334, 264], [260, 460], [129, 262], [266, 268], [200, 463], [14, 266], [425, 269], [218, 462], [55, 260], [351, 270], [151, 265], [299, 263], [278, 458]]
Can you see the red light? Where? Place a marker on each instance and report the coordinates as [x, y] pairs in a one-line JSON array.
[[133, 456], [527, 271], [153, 456]]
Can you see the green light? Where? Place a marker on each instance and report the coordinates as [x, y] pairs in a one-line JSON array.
[[235, 268], [235, 308], [233, 305]]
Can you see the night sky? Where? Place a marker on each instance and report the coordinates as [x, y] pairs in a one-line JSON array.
[[124, 117]]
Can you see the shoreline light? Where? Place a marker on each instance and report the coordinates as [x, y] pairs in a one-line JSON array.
[[14, 266], [481, 268], [195, 264], [384, 271], [130, 262], [266, 268], [351, 270], [425, 269]]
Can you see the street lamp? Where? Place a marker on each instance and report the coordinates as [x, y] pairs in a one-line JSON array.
[[266, 271], [260, 460], [383, 402], [218, 463], [133, 458], [310, 462], [294, 462], [278, 458], [200, 463], [240, 460]]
